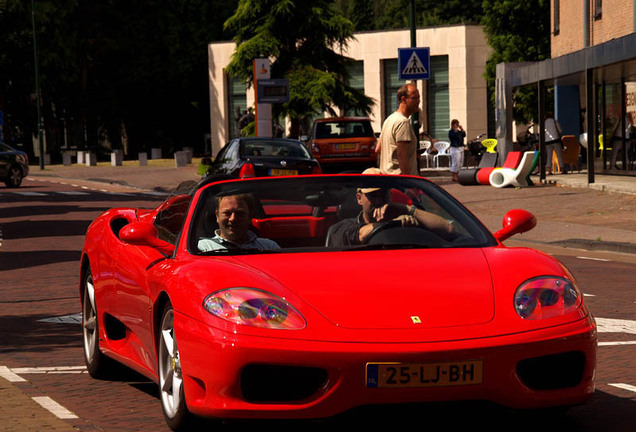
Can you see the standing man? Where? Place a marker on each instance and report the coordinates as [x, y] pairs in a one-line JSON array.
[[398, 143]]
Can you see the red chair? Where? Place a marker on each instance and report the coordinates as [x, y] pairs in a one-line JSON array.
[[512, 162]]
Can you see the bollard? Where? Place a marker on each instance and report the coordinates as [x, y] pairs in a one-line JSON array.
[[116, 158], [143, 159], [90, 158], [180, 159]]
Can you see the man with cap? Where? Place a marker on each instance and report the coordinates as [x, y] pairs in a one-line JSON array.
[[377, 208]]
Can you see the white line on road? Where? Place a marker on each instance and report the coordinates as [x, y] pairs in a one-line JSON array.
[[593, 259], [624, 386], [617, 343], [8, 374], [58, 410], [608, 325], [50, 369]]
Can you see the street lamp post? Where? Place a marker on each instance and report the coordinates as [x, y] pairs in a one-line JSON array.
[[37, 88]]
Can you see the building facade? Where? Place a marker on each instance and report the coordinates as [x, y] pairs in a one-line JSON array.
[[592, 76], [456, 89]]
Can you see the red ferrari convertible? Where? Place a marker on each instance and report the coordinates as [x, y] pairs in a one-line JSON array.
[[306, 296]]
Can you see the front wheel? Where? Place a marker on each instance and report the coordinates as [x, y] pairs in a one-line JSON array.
[[97, 364], [14, 179], [173, 403]]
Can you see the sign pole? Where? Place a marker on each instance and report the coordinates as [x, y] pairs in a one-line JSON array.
[[263, 114]]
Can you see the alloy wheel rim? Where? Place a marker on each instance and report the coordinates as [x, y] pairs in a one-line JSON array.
[[170, 378], [89, 319]]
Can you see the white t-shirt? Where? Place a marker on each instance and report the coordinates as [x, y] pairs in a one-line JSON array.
[[397, 128]]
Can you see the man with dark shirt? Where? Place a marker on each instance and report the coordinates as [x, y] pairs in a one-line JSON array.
[[377, 208]]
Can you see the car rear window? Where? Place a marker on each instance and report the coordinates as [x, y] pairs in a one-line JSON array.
[[273, 148], [344, 129]]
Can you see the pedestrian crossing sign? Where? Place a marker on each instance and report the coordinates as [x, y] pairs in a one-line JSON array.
[[414, 63]]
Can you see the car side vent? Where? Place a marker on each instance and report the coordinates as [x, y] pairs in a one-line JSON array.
[[553, 371], [271, 383], [117, 224]]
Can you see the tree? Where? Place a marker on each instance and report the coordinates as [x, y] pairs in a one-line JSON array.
[[106, 65], [305, 41], [393, 14], [517, 32]]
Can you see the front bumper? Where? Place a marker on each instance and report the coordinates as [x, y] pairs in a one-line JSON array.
[[227, 375]]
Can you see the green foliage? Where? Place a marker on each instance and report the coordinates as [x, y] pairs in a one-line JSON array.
[[517, 32], [105, 64], [304, 40], [394, 14]]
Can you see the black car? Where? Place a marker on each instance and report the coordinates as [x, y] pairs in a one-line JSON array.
[[14, 165], [262, 157]]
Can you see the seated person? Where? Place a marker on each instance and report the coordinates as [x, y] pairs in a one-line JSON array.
[[234, 215], [376, 208]]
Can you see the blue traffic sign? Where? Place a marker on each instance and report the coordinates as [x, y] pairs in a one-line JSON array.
[[414, 63]]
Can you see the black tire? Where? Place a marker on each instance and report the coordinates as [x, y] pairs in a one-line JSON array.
[[97, 364], [173, 403], [14, 179]]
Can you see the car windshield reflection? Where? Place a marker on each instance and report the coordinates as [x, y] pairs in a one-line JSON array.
[[330, 213]]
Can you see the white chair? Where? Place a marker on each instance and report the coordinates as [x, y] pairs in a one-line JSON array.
[[425, 145], [518, 177], [442, 151]]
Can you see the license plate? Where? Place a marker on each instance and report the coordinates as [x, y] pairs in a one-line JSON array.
[[345, 146], [282, 172], [424, 374]]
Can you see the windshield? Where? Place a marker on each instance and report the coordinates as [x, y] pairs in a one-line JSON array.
[[330, 213]]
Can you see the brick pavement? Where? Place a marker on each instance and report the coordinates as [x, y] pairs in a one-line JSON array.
[[569, 212]]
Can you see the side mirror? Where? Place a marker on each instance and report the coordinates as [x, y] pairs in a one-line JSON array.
[[516, 221], [145, 234]]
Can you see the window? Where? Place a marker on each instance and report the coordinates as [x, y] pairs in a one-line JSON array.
[[237, 102], [598, 9], [557, 17], [391, 86], [438, 98], [356, 80]]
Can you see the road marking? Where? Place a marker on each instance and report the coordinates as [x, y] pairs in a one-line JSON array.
[[73, 193], [66, 319], [55, 408], [50, 370], [30, 193], [593, 259], [617, 343], [8, 374], [624, 386], [607, 325]]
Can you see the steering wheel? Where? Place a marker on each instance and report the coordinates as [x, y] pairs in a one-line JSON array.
[[382, 226]]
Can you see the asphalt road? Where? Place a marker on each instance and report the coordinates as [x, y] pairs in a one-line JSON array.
[[42, 227]]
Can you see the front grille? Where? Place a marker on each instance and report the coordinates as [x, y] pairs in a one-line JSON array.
[[552, 371], [269, 383]]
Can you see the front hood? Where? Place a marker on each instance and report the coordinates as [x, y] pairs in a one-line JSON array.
[[387, 290]]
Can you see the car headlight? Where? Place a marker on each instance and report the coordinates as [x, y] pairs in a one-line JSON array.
[[546, 297], [253, 307]]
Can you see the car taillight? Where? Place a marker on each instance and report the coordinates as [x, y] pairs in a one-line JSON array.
[[247, 171], [316, 170]]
